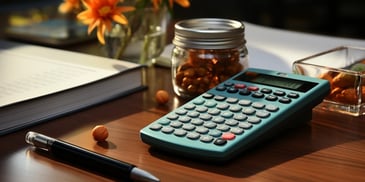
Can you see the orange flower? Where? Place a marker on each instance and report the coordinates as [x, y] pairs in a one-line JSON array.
[[69, 5], [183, 3], [101, 13]]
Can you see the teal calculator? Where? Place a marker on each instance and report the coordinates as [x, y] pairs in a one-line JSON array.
[[236, 114]]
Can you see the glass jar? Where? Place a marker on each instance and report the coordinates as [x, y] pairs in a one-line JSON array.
[[206, 52]]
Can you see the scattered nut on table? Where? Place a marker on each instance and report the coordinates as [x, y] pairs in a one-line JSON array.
[[162, 97], [100, 133]]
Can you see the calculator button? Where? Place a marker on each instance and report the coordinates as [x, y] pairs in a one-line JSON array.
[[223, 127], [214, 112], [218, 120], [222, 106], [231, 122], [205, 117], [244, 102], [197, 122], [184, 119], [210, 125], [262, 114], [215, 133], [237, 131], [172, 116], [208, 95], [253, 120], [228, 136], [244, 92], [180, 132], [235, 108], [189, 106], [248, 111], [240, 117], [266, 90], [272, 108], [285, 100], [220, 88], [239, 86], [198, 101], [201, 109], [258, 105], [193, 114], [258, 95], [220, 142], [228, 84], [293, 95], [167, 129], [176, 124], [227, 114], [164, 121], [206, 138], [188, 127], [201, 130], [253, 88], [232, 100], [155, 127], [181, 112], [219, 98], [279, 93], [210, 104], [232, 90], [245, 125], [193, 135], [271, 98]]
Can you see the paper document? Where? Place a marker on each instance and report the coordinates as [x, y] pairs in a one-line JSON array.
[[37, 76]]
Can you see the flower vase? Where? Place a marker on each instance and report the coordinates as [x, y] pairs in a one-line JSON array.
[[142, 40], [116, 40]]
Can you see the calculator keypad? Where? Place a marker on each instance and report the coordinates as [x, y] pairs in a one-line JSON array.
[[218, 118]]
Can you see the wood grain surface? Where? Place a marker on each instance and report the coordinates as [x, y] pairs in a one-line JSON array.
[[329, 148]]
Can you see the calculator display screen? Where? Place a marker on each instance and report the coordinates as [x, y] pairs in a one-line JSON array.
[[276, 81]]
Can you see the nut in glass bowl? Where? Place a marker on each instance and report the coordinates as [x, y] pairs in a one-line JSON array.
[[344, 68]]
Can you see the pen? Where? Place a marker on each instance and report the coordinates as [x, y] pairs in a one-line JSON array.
[[88, 159]]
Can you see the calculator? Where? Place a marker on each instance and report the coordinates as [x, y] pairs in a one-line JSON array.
[[233, 116]]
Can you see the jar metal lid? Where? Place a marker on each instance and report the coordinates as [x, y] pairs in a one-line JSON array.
[[209, 33]]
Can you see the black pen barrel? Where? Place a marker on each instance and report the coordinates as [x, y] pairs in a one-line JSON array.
[[90, 160]]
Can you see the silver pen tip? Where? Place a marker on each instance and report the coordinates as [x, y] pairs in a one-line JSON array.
[[29, 137], [142, 175], [39, 140]]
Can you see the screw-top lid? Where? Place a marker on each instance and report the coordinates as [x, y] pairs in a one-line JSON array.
[[209, 33]]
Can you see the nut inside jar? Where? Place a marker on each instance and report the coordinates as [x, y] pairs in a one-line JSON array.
[[204, 69]]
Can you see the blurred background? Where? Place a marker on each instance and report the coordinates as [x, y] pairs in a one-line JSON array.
[[343, 18]]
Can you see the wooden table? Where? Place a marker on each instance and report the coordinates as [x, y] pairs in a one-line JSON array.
[[329, 148]]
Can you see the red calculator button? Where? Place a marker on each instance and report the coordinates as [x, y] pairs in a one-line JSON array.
[[228, 136], [237, 85], [253, 88]]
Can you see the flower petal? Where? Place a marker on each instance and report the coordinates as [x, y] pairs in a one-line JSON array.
[[120, 19], [92, 26], [87, 3], [183, 3], [100, 34]]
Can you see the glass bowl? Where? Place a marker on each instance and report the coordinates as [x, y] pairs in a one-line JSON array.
[[344, 68]]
